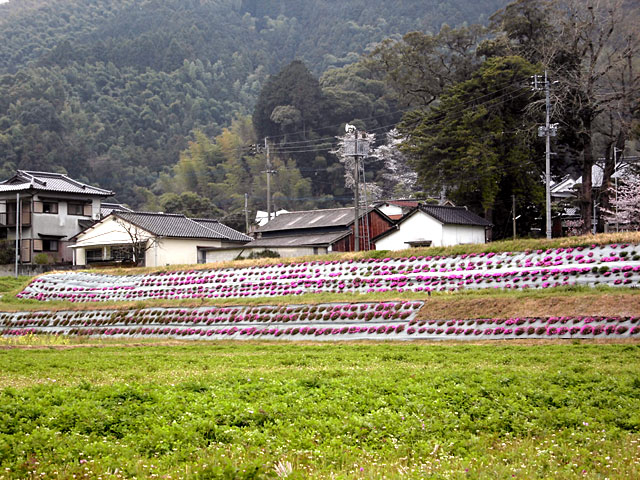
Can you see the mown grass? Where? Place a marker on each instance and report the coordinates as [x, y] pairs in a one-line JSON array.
[[363, 410]]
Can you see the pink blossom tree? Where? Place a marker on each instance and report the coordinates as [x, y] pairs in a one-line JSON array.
[[400, 179], [625, 206]]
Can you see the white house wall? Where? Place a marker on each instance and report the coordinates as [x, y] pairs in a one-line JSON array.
[[390, 210], [418, 226], [459, 234], [284, 252], [174, 251], [108, 232]]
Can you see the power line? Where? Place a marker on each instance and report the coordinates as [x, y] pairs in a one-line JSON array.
[[505, 97], [475, 99]]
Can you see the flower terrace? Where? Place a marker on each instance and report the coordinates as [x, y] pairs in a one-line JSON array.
[[335, 321], [615, 265]]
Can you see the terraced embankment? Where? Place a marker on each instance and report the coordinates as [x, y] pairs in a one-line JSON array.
[[414, 313]]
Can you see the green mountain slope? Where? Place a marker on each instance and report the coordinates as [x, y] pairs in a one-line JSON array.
[[110, 91]]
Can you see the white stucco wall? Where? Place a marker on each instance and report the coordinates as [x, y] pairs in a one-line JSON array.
[[417, 227], [457, 234], [285, 252], [421, 226], [108, 232], [176, 251]]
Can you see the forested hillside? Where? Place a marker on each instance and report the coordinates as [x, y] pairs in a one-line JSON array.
[[111, 91]]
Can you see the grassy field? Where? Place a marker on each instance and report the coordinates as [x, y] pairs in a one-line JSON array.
[[357, 410]]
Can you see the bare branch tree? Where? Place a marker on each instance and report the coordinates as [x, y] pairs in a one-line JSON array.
[[141, 240]]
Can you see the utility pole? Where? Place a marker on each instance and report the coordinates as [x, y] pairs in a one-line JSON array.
[[269, 171], [615, 180], [547, 157], [356, 208], [266, 148], [17, 231], [513, 212], [359, 149], [246, 213], [549, 130]]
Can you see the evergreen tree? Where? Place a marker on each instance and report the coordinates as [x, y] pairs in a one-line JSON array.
[[473, 145]]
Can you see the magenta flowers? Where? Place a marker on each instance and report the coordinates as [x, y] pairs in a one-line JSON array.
[[607, 265]]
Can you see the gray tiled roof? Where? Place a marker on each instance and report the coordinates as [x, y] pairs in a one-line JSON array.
[[300, 240], [49, 182], [178, 226], [223, 230], [454, 215], [332, 217]]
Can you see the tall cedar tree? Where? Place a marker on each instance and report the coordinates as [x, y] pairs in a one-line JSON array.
[[472, 143]]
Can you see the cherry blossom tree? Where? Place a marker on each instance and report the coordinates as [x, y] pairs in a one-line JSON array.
[[625, 207], [399, 178]]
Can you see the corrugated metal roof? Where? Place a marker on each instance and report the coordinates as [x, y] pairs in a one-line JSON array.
[[49, 182], [179, 226], [454, 215], [300, 240], [332, 217]]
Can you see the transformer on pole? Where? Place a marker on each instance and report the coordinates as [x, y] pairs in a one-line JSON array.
[[549, 130], [356, 145]]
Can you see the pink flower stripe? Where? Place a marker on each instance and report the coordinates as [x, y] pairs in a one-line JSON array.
[[327, 321], [615, 265]]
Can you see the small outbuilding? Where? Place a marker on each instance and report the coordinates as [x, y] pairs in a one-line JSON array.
[[435, 225]]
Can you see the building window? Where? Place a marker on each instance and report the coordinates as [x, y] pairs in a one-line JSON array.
[[49, 245], [75, 208], [122, 253], [45, 206], [93, 254], [49, 207]]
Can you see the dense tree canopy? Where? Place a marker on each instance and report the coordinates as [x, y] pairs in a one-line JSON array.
[[473, 145], [111, 91], [169, 102]]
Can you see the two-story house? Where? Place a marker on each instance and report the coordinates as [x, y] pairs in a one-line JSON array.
[[49, 208]]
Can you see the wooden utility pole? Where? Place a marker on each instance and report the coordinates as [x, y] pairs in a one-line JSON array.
[[513, 211], [266, 147], [246, 213], [356, 194]]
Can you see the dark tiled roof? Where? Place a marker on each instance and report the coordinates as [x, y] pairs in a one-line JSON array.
[[302, 240], [177, 226], [454, 215], [332, 217], [84, 224], [49, 182], [223, 230]]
